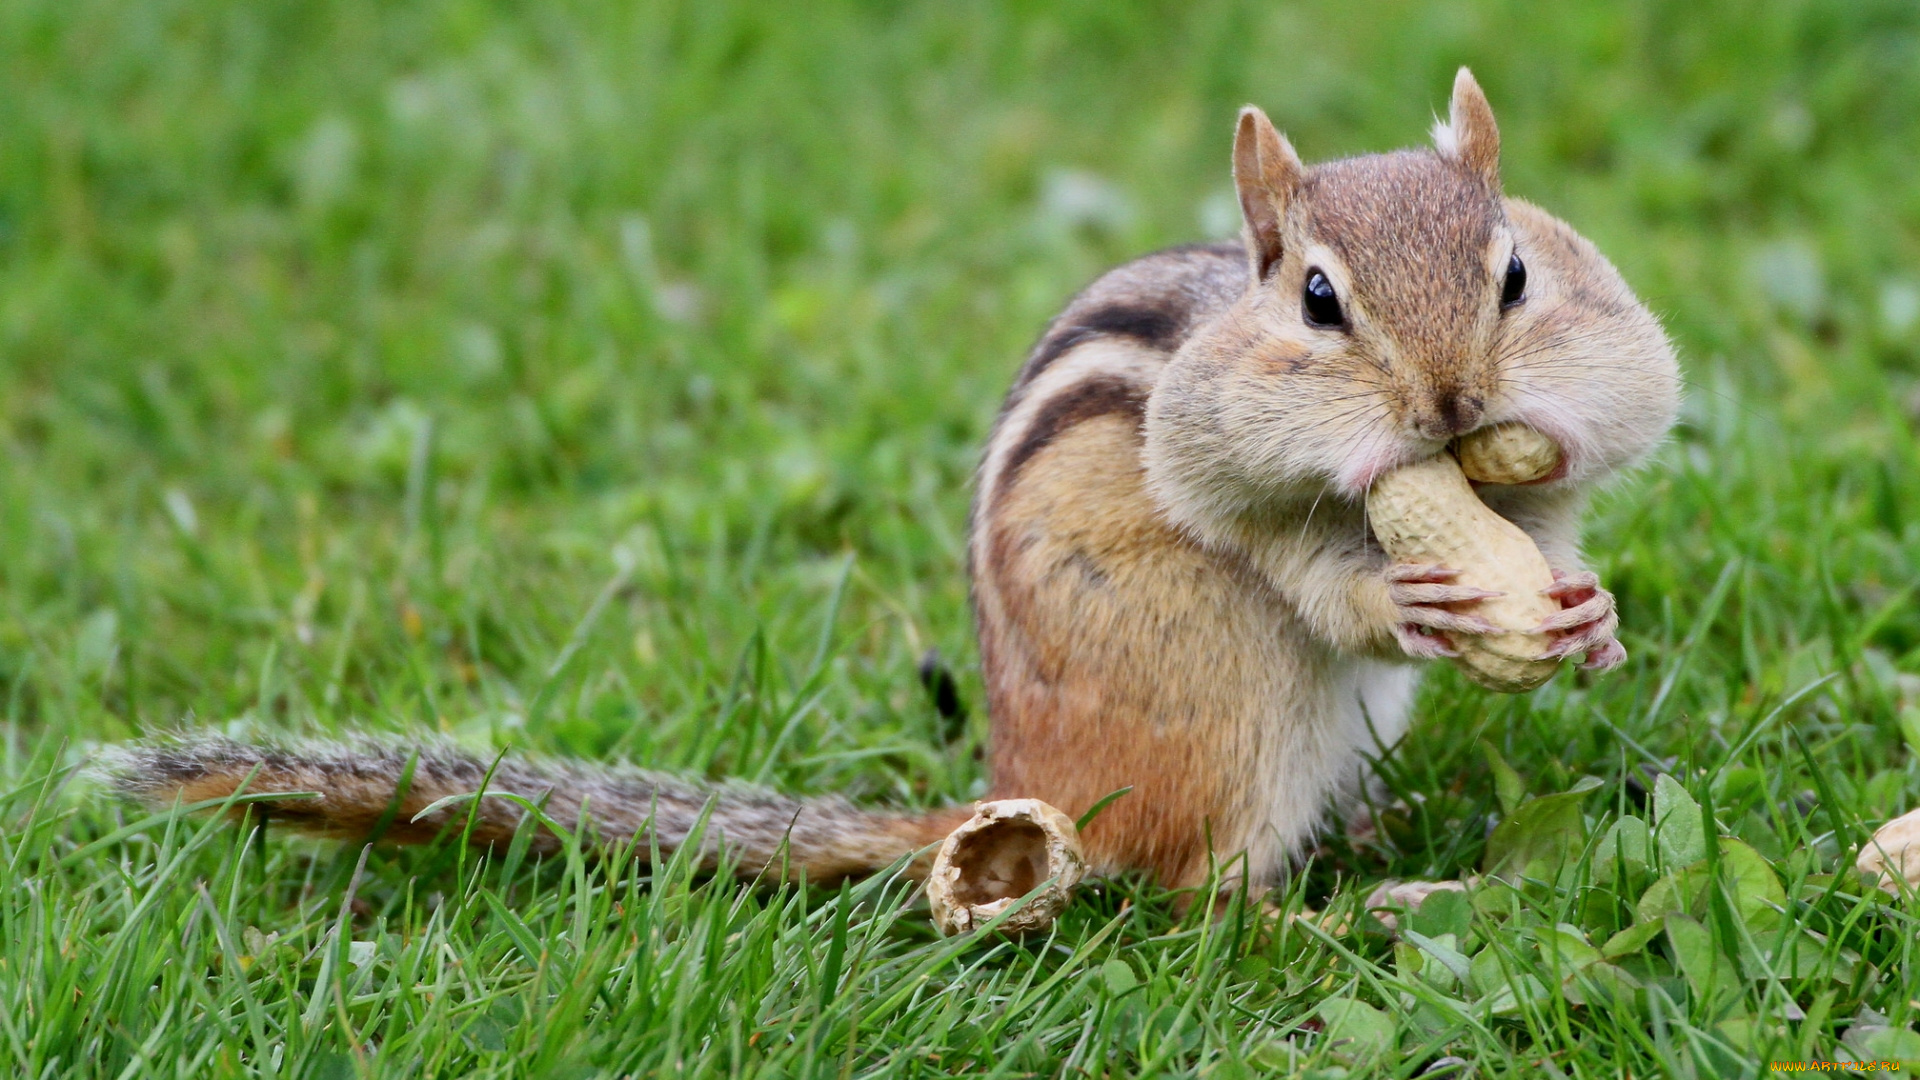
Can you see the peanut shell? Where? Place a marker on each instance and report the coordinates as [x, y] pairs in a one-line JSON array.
[[1000, 854], [1893, 854], [1427, 513], [1507, 454]]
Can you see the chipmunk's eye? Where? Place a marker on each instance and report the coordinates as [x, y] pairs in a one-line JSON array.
[[1322, 306], [1515, 289]]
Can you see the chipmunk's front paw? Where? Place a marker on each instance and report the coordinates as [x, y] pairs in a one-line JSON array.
[[1586, 622], [1424, 602]]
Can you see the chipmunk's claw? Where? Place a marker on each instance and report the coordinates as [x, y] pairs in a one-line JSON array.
[[1419, 594], [1586, 623], [1422, 644], [1605, 658]]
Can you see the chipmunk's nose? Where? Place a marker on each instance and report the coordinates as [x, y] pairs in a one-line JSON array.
[[1448, 413]]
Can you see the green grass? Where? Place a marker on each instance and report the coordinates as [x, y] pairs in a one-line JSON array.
[[605, 378]]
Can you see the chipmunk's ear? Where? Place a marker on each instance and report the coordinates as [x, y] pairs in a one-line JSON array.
[[1469, 135], [1265, 173]]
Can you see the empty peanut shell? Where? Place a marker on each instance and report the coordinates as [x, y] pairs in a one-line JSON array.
[[1893, 855], [1002, 853]]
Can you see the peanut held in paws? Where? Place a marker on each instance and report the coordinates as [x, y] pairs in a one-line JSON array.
[[999, 855], [1426, 513]]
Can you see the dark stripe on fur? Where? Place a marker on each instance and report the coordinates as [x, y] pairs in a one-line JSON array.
[[1115, 306], [1158, 327], [1101, 395]]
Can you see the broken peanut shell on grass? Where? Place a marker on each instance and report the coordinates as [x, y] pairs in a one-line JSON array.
[[1393, 898], [999, 855], [1893, 855], [1427, 514], [1507, 454]]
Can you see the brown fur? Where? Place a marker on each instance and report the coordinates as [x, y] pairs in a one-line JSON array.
[[1089, 592], [1088, 399]]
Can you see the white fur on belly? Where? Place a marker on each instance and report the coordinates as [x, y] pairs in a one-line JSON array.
[[1321, 747]]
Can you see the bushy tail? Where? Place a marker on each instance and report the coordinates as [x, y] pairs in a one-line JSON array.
[[368, 786]]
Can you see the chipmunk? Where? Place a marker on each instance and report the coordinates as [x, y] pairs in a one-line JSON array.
[[1175, 588]]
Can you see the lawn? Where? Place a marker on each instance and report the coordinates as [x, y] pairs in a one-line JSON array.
[[605, 378]]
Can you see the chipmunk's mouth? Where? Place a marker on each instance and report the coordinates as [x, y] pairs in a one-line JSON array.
[[1359, 472]]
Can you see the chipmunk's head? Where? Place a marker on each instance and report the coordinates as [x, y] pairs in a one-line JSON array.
[[1395, 302]]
